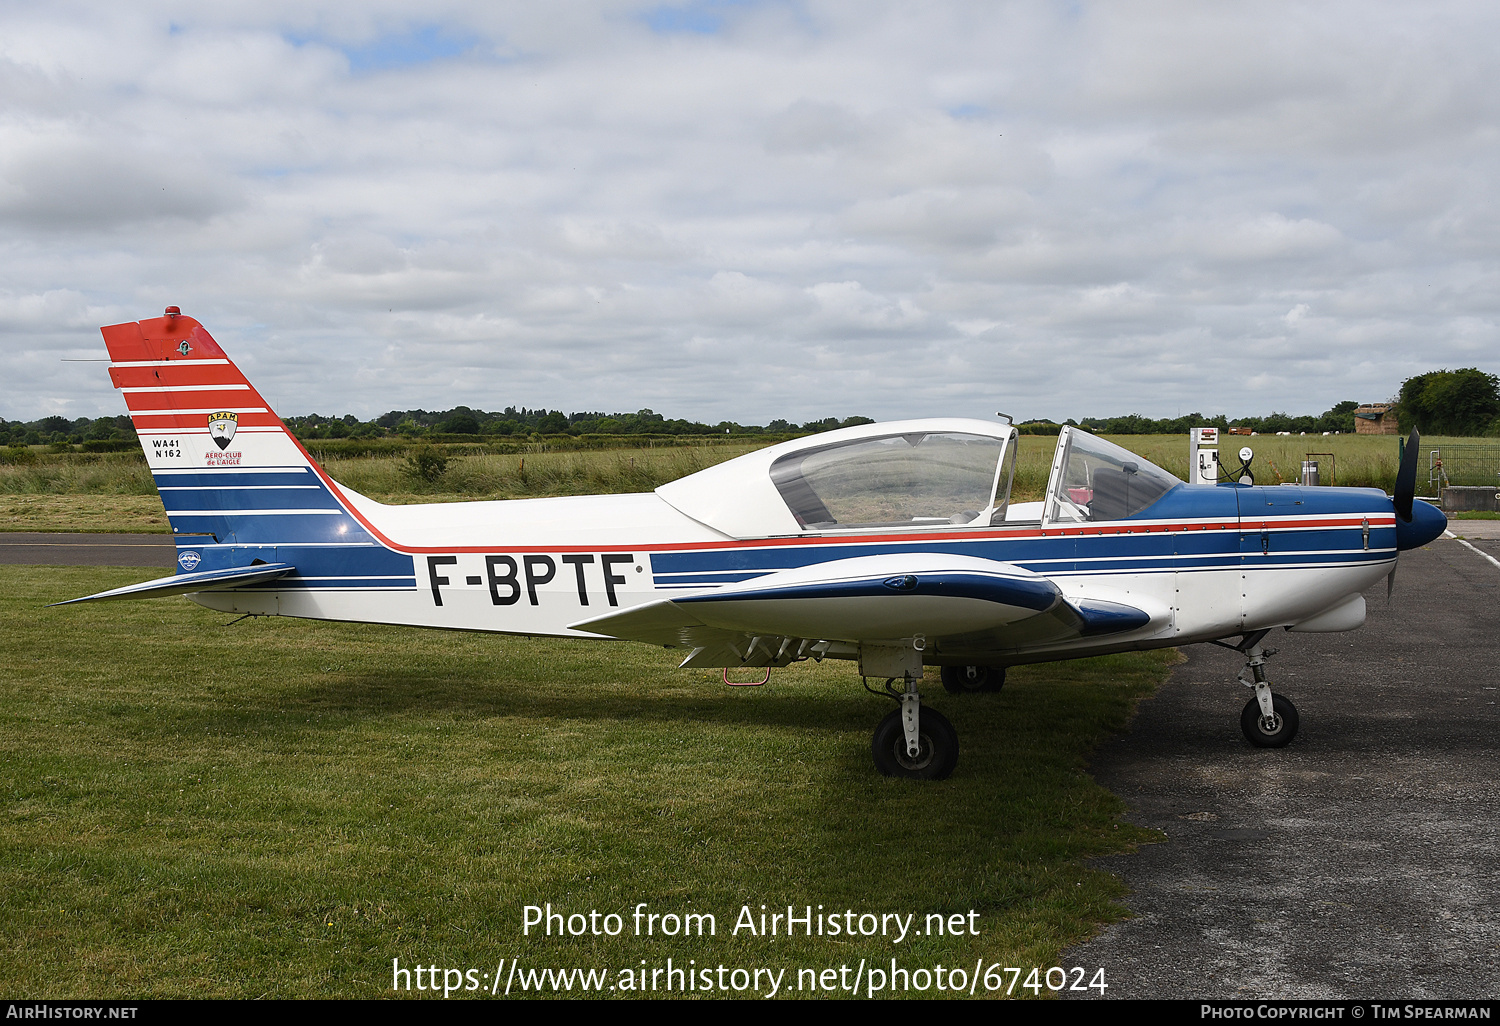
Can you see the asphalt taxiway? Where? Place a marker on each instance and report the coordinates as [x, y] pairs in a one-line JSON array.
[[1361, 861], [55, 549]]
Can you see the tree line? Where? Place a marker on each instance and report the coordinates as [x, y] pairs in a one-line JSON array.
[[105, 434], [1340, 419], [520, 421], [1463, 403]]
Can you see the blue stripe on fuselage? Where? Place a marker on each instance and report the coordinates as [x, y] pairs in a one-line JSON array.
[[276, 515], [257, 506], [273, 529], [351, 566], [233, 499]]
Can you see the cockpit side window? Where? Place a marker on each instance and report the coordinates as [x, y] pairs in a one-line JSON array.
[[921, 478], [1101, 481]]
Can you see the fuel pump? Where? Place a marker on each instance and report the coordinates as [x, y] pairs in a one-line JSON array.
[[1203, 455]]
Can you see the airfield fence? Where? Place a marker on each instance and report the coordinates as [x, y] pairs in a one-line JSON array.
[[1463, 465]]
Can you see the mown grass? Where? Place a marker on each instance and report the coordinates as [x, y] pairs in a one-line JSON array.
[[280, 808], [94, 512]]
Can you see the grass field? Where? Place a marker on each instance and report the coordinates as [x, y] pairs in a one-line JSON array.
[[280, 808], [91, 512]]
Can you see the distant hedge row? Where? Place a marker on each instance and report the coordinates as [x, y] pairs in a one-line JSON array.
[[1463, 403]]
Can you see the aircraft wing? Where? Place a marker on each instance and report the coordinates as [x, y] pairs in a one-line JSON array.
[[958, 602], [181, 584]]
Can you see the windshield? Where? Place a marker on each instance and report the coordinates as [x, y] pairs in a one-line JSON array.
[[931, 477], [1097, 480]]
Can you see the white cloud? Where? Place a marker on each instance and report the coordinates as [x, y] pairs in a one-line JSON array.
[[792, 210]]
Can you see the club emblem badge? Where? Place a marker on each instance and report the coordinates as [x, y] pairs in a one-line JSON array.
[[188, 560], [221, 427]]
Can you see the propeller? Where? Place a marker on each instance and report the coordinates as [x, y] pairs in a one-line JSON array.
[[1406, 478], [1405, 494]]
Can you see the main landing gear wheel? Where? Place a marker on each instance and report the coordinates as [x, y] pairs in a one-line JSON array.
[[967, 680], [1269, 732], [937, 753]]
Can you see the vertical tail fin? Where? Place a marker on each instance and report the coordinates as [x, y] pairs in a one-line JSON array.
[[224, 463]]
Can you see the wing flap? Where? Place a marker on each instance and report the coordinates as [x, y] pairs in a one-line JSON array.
[[182, 584]]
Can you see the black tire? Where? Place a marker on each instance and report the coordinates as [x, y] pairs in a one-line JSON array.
[[935, 760], [1285, 726], [968, 680]]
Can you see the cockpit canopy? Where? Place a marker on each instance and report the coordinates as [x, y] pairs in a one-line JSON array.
[[930, 474], [918, 477]]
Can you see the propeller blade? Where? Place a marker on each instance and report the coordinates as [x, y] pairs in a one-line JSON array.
[[1390, 584], [1406, 478]]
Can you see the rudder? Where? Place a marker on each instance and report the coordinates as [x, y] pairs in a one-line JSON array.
[[224, 463]]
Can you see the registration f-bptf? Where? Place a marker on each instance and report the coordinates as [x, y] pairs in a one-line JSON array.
[[894, 545]]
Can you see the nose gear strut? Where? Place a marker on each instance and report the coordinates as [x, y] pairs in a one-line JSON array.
[[1268, 720]]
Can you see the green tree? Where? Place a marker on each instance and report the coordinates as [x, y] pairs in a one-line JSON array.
[[1444, 402], [460, 423], [1340, 418]]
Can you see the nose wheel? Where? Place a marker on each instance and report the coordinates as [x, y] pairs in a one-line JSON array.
[[1269, 731], [1268, 720]]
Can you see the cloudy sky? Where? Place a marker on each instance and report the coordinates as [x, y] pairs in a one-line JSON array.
[[750, 210]]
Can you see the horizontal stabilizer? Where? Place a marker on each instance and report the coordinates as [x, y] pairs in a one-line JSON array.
[[182, 584]]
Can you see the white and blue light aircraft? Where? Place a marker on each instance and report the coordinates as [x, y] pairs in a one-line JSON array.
[[891, 544]]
